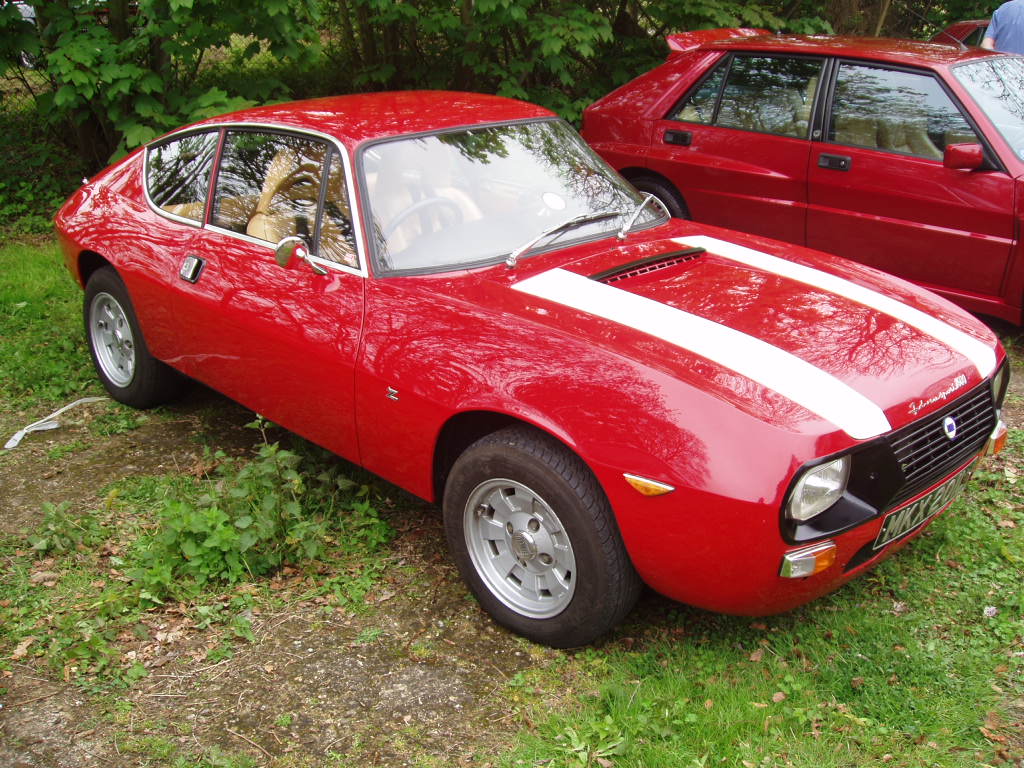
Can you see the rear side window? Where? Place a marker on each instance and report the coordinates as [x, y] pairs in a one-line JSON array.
[[895, 111], [178, 174], [767, 94]]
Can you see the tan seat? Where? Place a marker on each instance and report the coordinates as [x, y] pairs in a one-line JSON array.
[[290, 191], [857, 131]]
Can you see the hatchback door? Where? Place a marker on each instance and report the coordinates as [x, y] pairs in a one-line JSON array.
[[880, 194], [736, 146]]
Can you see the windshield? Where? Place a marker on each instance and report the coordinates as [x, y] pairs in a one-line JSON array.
[[997, 85], [473, 196]]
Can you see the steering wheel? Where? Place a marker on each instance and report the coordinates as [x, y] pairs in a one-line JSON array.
[[419, 205]]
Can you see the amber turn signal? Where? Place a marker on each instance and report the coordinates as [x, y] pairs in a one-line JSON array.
[[997, 441], [808, 561], [647, 487]]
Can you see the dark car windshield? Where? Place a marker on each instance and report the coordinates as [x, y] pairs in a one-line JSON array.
[[468, 197], [997, 85]]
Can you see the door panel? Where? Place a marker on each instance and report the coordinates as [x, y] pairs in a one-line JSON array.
[[914, 218], [894, 205], [281, 340], [737, 146]]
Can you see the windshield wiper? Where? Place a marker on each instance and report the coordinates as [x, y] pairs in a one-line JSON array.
[[628, 225], [576, 221]]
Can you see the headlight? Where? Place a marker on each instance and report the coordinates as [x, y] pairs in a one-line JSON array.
[[817, 489]]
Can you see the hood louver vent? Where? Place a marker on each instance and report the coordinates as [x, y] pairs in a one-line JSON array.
[[645, 266]]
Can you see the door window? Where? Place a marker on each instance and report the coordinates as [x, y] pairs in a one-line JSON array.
[[178, 174], [895, 111], [768, 94], [269, 187]]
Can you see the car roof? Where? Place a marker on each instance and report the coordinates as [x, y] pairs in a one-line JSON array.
[[362, 117], [892, 50]]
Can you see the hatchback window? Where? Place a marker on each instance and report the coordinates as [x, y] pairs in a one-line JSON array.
[[896, 111], [268, 185], [768, 94], [178, 174]]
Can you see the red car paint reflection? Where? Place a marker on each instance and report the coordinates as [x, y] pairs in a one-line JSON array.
[[841, 144], [631, 398]]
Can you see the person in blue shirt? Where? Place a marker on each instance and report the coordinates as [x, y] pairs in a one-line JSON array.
[[1006, 30]]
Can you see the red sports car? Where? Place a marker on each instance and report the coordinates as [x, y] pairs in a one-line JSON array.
[[906, 156], [455, 292]]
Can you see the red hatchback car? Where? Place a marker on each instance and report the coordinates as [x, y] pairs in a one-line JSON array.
[[906, 156], [454, 291]]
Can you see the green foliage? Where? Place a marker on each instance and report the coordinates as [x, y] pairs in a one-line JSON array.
[[65, 531], [38, 174], [256, 517], [120, 77]]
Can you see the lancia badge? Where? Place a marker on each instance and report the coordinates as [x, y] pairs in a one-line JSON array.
[[949, 427]]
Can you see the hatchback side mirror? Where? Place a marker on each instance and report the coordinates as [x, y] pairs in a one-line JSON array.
[[292, 248], [964, 157]]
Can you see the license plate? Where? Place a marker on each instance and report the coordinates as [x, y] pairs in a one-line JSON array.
[[914, 515]]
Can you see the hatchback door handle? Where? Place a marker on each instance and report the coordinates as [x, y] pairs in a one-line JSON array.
[[835, 162], [679, 138]]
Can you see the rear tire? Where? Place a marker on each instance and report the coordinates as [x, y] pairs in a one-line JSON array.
[[128, 371], [535, 539], [665, 193]]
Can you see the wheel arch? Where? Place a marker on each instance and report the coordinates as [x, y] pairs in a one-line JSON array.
[[88, 263], [465, 428], [633, 174]]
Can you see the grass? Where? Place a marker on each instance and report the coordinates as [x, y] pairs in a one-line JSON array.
[[918, 663]]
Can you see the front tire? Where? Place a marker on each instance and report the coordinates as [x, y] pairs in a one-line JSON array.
[[128, 371], [535, 539]]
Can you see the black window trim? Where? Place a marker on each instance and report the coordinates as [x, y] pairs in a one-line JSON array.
[[992, 160], [726, 62]]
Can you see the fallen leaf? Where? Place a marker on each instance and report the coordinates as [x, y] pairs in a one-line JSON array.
[[757, 655], [857, 682], [709, 704], [899, 607], [1006, 524], [21, 651], [778, 697], [605, 763], [760, 625], [759, 705], [40, 577]]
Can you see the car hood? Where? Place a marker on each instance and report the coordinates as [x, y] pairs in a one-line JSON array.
[[793, 336]]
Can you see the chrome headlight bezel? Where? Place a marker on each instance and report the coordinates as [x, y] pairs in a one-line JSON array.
[[817, 488]]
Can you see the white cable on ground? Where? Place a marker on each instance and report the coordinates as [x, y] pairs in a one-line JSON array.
[[50, 422]]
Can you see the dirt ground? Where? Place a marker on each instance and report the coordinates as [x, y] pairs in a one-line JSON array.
[[414, 679], [417, 679]]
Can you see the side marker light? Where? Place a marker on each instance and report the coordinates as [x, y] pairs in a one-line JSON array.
[[647, 487]]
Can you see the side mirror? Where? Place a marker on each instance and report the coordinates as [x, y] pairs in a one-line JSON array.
[[292, 248], [964, 157]]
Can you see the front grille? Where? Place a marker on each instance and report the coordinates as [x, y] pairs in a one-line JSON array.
[[925, 454]]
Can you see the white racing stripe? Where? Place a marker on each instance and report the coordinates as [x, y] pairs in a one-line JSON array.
[[978, 352], [814, 389]]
